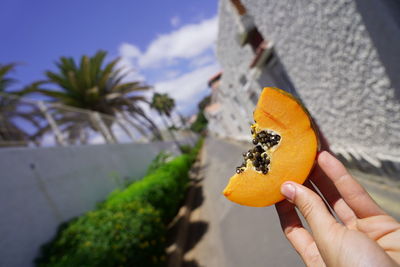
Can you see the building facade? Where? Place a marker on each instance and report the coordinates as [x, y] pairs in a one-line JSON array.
[[341, 58]]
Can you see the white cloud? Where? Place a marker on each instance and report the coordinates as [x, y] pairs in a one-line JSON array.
[[184, 43], [179, 62], [202, 60], [186, 88], [170, 74], [175, 21], [127, 53], [131, 72]]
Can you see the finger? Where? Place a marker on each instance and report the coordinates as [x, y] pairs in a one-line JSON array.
[[297, 235], [310, 206], [352, 192], [333, 197]]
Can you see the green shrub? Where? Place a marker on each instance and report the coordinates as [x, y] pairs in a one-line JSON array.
[[130, 234], [158, 161], [128, 229], [163, 188], [196, 149], [200, 124], [185, 149]]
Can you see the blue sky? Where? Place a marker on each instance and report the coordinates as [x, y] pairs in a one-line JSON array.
[[169, 44]]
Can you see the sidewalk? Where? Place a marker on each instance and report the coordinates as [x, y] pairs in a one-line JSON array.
[[220, 233]]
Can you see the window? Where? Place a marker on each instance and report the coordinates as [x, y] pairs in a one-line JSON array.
[[255, 39]]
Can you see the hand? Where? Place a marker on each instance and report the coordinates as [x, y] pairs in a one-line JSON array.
[[367, 236]]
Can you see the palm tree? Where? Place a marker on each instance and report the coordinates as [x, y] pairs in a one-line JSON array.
[[164, 105], [10, 132], [93, 85]]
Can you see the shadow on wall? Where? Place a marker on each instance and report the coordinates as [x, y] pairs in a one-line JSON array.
[[387, 173], [382, 20], [274, 74]]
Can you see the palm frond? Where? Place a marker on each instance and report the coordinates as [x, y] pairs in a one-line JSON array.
[[5, 82]]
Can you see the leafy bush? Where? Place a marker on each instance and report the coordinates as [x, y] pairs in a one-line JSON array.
[[163, 188], [130, 234], [196, 149], [185, 149], [158, 161], [200, 124], [128, 229]]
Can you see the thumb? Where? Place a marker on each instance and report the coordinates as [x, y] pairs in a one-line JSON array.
[[310, 206]]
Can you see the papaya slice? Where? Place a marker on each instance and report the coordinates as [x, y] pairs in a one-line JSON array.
[[285, 147]]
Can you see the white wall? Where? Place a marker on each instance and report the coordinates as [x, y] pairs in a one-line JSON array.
[[43, 187], [342, 58]]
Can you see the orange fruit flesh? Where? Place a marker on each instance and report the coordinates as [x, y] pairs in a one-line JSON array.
[[291, 160]]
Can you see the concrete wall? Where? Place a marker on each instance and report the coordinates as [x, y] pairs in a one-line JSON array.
[[43, 187], [340, 56]]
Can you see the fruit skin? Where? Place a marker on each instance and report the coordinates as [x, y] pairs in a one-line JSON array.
[[293, 159]]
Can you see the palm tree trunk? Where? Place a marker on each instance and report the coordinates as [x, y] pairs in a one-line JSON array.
[[134, 125], [156, 133], [170, 132], [155, 130], [191, 136]]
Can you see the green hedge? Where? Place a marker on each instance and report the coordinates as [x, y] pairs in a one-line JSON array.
[[130, 234], [129, 228], [200, 124], [162, 188]]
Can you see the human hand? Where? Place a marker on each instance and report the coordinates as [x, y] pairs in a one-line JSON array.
[[367, 236]]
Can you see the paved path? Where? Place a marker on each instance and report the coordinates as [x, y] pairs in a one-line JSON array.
[[236, 235], [225, 234]]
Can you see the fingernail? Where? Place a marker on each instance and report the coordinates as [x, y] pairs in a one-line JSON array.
[[289, 191]]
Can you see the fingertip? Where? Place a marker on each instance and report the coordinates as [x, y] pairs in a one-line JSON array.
[[288, 189], [324, 158]]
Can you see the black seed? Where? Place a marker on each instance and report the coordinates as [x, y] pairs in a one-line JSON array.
[[259, 148], [265, 171], [267, 161], [243, 164], [238, 171], [278, 137], [265, 156], [249, 155], [244, 154], [255, 141], [262, 134], [252, 131], [257, 169], [256, 163]]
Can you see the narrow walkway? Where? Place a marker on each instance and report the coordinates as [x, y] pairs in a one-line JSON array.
[[235, 235], [223, 234]]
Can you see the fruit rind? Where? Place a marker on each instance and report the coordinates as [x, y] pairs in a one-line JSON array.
[[258, 190]]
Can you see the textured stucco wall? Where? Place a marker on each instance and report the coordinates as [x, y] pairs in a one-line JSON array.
[[43, 187], [334, 63]]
